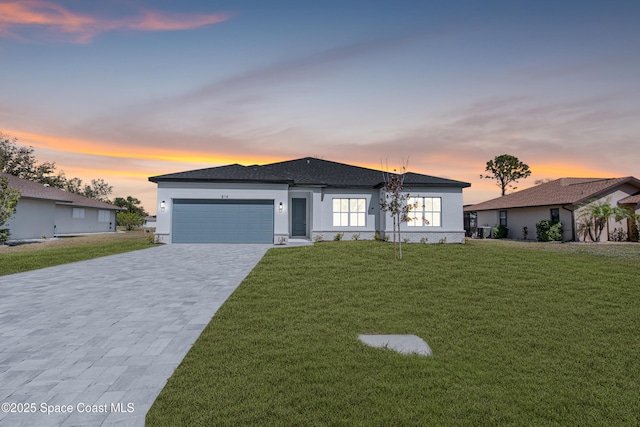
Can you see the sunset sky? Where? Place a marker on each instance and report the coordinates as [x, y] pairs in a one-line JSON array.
[[127, 89]]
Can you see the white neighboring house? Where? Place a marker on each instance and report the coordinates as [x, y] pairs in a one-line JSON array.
[[301, 199], [46, 211], [149, 222], [559, 200]]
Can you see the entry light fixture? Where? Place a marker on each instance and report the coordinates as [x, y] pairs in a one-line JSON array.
[[163, 205], [280, 207]]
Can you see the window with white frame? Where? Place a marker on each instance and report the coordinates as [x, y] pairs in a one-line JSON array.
[[104, 216], [349, 212], [425, 211], [77, 213]]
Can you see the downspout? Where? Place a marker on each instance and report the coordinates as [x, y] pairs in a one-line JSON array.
[[573, 223]]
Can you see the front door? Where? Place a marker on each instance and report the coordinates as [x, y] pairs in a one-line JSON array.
[[299, 217]]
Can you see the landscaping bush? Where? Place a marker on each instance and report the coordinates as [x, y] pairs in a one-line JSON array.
[[549, 231], [4, 235], [618, 235], [500, 232]]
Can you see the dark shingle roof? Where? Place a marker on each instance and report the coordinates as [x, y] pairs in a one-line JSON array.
[[33, 190], [228, 173], [305, 171], [563, 191]]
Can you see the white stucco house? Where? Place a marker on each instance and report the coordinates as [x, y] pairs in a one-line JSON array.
[[303, 199], [559, 200], [46, 211]]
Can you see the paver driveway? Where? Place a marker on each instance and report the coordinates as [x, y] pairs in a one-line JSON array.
[[96, 341]]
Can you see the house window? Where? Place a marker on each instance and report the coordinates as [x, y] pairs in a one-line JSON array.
[[77, 213], [503, 218], [425, 211], [349, 212], [555, 215], [104, 216]]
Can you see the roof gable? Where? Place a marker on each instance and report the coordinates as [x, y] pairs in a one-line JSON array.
[[34, 190], [563, 191], [305, 171]]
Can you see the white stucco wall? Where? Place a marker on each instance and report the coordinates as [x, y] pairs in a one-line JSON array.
[[34, 218], [168, 191], [322, 222], [66, 224], [319, 204], [451, 229]]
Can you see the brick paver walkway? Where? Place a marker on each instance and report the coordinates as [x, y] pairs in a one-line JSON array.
[[95, 341]]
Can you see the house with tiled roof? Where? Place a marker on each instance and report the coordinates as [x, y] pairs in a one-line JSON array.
[[47, 211], [303, 199], [559, 200]]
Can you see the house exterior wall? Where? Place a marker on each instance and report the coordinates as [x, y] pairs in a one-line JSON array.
[[34, 218], [322, 227], [66, 224], [612, 199], [518, 218], [451, 229], [319, 206], [168, 191]]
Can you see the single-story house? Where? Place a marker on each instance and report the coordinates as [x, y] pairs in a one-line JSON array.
[[559, 200], [47, 211], [149, 221], [303, 199]]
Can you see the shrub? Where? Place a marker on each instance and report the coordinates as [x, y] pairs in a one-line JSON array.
[[618, 235], [338, 237], [424, 240], [129, 220], [501, 232], [317, 238], [549, 231], [153, 239], [555, 232], [355, 236], [4, 235]]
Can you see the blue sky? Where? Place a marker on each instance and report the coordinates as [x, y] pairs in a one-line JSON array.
[[126, 89]]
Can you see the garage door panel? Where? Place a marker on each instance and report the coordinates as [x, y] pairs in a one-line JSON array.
[[222, 221]]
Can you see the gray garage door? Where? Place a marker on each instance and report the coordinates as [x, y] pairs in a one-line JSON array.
[[222, 221]]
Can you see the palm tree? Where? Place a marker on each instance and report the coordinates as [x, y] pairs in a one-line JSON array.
[[594, 217]]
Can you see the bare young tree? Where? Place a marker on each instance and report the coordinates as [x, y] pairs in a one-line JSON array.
[[396, 202]]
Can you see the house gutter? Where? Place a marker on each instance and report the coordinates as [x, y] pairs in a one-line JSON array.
[[573, 223]]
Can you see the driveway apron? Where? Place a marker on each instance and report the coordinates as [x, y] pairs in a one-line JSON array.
[[94, 342]]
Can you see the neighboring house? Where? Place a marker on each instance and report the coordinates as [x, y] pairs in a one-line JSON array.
[[557, 200], [149, 222], [303, 199], [48, 211]]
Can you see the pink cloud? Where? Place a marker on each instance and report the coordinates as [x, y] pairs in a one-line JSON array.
[[48, 18]]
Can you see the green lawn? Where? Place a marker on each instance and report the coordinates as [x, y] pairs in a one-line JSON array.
[[520, 336], [40, 255]]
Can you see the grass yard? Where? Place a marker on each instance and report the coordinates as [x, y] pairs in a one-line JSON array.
[[521, 336], [15, 259]]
